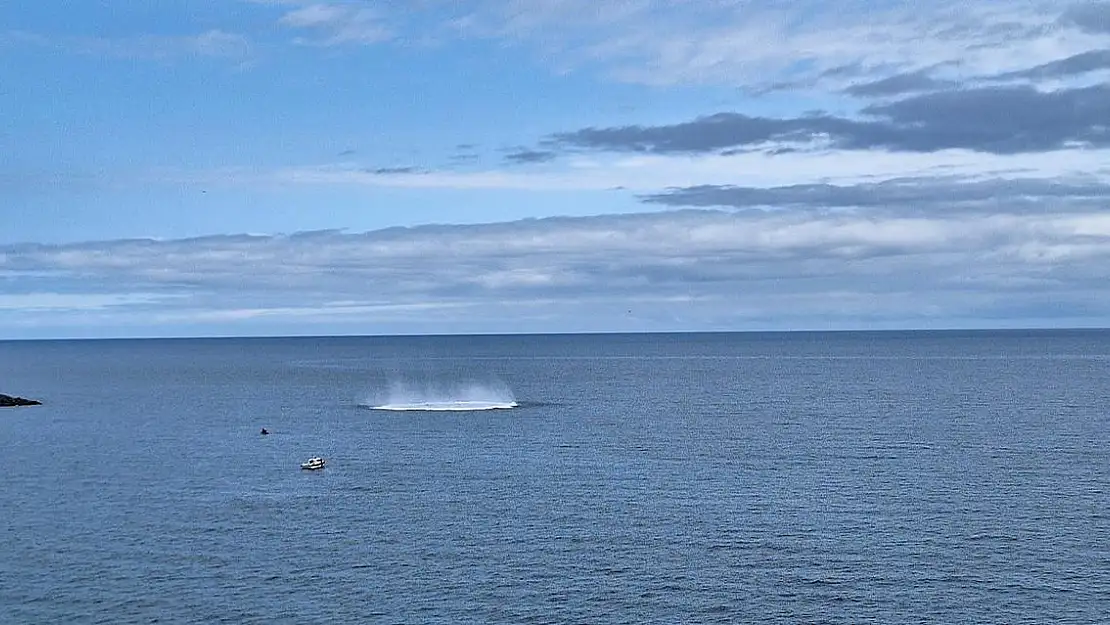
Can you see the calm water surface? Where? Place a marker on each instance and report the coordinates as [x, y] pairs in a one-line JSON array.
[[772, 478]]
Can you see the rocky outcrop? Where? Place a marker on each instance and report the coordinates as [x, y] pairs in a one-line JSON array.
[[8, 400]]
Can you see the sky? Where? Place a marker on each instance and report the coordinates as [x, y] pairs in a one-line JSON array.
[[307, 167]]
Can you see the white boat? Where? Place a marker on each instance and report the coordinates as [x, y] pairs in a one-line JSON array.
[[314, 463]]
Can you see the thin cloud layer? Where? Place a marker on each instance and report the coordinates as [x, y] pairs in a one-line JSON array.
[[749, 43], [918, 196], [899, 84], [338, 24], [1083, 63], [213, 43], [526, 156]]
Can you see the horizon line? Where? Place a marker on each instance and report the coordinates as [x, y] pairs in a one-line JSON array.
[[951, 330]]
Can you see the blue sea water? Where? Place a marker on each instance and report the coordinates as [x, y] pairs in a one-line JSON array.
[[932, 477]]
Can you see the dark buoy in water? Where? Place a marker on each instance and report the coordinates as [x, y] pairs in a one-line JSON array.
[[265, 431]]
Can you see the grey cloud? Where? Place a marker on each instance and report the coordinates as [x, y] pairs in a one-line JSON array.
[[904, 196], [1089, 61], [704, 134], [396, 170], [531, 156], [464, 153], [899, 84], [1000, 120], [1090, 16]]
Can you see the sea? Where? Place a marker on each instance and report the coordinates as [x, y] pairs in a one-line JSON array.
[[843, 477]]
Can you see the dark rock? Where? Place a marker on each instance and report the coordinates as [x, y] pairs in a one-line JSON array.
[[8, 400]]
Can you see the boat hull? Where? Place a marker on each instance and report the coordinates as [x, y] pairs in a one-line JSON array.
[[313, 464]]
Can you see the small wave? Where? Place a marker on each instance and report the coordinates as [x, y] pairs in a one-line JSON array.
[[447, 406]]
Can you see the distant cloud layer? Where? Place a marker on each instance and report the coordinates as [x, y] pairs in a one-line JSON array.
[[671, 270], [917, 196]]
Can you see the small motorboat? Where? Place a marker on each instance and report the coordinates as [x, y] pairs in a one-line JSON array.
[[314, 463]]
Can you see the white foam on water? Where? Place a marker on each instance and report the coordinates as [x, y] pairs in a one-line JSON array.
[[444, 398], [447, 406]]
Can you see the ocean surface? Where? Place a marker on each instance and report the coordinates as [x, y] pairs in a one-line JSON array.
[[917, 477]]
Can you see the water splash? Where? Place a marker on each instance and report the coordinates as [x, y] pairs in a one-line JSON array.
[[404, 396]]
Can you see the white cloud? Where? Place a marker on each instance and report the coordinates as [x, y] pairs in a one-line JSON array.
[[218, 43], [338, 24], [649, 173]]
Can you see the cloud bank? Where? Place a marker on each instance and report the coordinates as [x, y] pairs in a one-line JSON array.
[[678, 270]]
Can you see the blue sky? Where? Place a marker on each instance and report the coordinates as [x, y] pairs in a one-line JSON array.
[[239, 167]]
